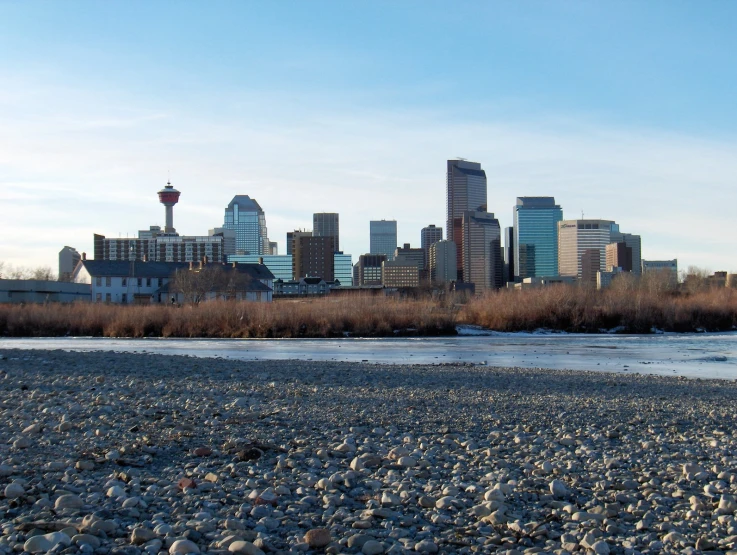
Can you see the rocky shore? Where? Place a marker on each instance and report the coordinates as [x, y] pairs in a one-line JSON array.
[[104, 453]]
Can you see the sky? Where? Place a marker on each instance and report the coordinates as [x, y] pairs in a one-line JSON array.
[[621, 110]]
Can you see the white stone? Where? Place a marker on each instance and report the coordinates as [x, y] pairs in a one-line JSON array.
[[426, 546], [183, 546], [68, 501], [46, 542], [372, 547], [558, 488], [14, 490]]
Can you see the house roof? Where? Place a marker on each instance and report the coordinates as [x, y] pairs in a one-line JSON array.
[[124, 268], [250, 286]]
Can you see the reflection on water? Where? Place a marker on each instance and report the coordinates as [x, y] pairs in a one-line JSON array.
[[694, 355]]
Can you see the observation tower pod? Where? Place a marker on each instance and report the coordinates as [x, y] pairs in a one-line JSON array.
[[169, 196]]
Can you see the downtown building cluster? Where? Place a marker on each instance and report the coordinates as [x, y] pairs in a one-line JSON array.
[[540, 248]]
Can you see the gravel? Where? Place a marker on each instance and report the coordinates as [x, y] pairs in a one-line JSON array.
[[133, 454]]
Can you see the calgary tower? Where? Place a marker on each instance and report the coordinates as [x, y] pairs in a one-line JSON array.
[[169, 196]]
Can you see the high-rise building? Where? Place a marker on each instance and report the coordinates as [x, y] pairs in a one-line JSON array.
[[228, 236], [279, 265], [399, 273], [666, 267], [429, 236], [326, 224], [246, 217], [618, 255], [68, 260], [536, 237], [577, 236], [369, 269], [312, 256], [343, 265], [465, 190], [383, 237], [273, 248], [482, 250], [591, 263], [290, 238], [413, 257], [633, 242], [443, 262], [509, 255]]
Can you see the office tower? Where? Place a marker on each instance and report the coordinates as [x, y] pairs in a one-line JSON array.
[[443, 262], [633, 242], [369, 269], [575, 237], [245, 216], [228, 236], [429, 236], [465, 190], [482, 250], [312, 256], [325, 224], [383, 237], [68, 260], [618, 255], [414, 257], [399, 273], [160, 248], [509, 254], [278, 264], [343, 268], [536, 237], [666, 267], [591, 265], [273, 248]]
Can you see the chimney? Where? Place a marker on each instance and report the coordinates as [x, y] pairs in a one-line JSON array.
[[145, 258], [191, 265], [84, 256], [204, 259], [235, 264], [200, 264], [261, 260]]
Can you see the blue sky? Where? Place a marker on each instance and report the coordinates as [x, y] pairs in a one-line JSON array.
[[622, 110]]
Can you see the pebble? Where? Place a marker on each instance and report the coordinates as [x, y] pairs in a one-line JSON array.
[[161, 456]]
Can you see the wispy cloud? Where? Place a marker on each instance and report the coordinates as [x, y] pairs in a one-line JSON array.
[[93, 166]]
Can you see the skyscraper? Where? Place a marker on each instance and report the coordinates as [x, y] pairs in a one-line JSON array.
[[482, 250], [633, 242], [429, 236], [325, 224], [575, 237], [383, 237], [443, 262], [509, 254], [246, 217], [465, 190], [536, 237], [312, 256]]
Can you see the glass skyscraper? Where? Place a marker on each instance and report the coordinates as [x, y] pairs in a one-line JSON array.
[[465, 190], [343, 268], [326, 224], [535, 240], [383, 237], [245, 216]]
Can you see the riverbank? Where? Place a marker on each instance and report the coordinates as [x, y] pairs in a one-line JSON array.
[[124, 453], [639, 310]]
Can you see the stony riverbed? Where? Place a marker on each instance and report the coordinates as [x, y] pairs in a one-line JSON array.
[[105, 453]]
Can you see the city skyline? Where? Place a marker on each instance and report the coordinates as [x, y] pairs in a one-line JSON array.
[[104, 105]]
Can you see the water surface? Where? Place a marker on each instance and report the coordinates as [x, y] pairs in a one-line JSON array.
[[706, 355]]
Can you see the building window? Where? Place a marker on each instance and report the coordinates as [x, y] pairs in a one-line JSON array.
[[98, 297], [148, 282], [98, 281], [108, 281], [107, 297], [124, 298], [140, 282], [125, 282]]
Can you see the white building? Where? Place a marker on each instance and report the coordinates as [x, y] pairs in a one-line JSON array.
[[575, 237]]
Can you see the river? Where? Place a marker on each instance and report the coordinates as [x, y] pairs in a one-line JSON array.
[[705, 355]]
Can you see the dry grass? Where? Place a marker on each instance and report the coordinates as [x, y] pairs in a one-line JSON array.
[[631, 308], [579, 309], [365, 317]]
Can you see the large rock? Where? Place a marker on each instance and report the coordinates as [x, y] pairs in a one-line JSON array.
[[68, 501], [46, 542], [14, 490], [244, 547], [182, 547]]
